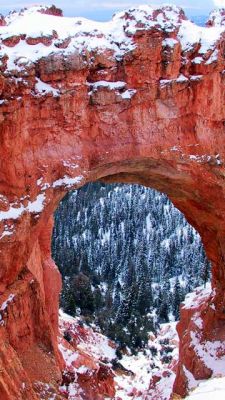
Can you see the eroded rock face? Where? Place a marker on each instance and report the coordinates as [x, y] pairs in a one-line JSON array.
[[135, 100], [87, 354]]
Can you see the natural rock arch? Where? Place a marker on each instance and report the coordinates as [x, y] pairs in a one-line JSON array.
[[148, 110]]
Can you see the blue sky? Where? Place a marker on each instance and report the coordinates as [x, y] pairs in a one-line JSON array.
[[103, 9]]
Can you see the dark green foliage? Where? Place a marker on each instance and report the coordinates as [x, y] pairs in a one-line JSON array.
[[153, 350], [177, 299], [205, 272], [120, 249], [83, 295]]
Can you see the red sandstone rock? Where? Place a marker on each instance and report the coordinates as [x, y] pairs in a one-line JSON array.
[[84, 366], [203, 332], [46, 40], [11, 41], [2, 20], [163, 128], [53, 10], [63, 44]]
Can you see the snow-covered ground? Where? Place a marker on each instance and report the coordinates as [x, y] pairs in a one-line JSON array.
[[133, 373], [147, 375], [212, 389], [151, 362], [88, 340]]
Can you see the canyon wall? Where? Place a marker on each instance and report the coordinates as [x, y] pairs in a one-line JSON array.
[[138, 99]]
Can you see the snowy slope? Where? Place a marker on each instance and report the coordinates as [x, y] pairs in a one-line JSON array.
[[88, 349], [147, 375], [148, 366], [212, 389]]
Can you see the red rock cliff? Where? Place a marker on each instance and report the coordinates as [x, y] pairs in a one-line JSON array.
[[139, 99]]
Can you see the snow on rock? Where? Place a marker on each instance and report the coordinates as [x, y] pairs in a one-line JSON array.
[[197, 158], [196, 77], [202, 349], [82, 32], [211, 353], [30, 34], [195, 298], [118, 86], [8, 230], [169, 42], [67, 181], [192, 383], [150, 375], [191, 34], [70, 164], [136, 376], [69, 355], [181, 79], [43, 88], [37, 205], [217, 18], [6, 302], [87, 355], [213, 57], [4, 307], [143, 17], [108, 85], [128, 94], [87, 340], [16, 210]]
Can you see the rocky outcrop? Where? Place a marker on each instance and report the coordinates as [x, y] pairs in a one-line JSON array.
[[139, 99], [88, 372], [202, 351]]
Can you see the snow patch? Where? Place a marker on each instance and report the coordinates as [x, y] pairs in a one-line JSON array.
[[196, 77], [38, 205], [70, 164], [7, 302], [191, 34], [180, 79], [193, 299], [169, 42], [68, 355], [15, 212], [128, 94], [44, 88], [8, 230], [108, 85], [209, 352], [192, 383], [67, 181], [198, 321], [213, 57], [117, 86]]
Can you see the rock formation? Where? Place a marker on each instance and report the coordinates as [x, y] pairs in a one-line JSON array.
[[88, 373], [139, 99]]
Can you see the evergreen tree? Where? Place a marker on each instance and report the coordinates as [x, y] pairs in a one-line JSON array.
[[117, 247], [177, 298], [205, 272]]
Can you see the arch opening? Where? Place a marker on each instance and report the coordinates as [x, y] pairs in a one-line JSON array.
[[112, 247]]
